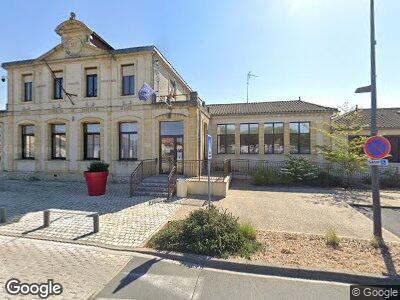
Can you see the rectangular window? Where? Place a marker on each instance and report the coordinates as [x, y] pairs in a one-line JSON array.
[[57, 85], [273, 138], [28, 79], [28, 142], [128, 80], [91, 136], [300, 138], [91, 82], [248, 138], [226, 139], [58, 141], [128, 141]]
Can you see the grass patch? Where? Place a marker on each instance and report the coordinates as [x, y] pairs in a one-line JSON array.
[[208, 232], [332, 239]]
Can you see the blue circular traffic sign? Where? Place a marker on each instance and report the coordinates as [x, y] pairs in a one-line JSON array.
[[377, 147]]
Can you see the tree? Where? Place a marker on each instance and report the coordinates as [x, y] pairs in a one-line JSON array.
[[346, 147]]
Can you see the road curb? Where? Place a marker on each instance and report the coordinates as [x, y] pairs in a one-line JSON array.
[[274, 270], [370, 205]]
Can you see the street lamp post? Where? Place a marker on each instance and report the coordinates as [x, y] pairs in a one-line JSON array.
[[376, 205]]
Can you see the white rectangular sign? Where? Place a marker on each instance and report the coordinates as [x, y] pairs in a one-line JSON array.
[[209, 140], [378, 162]]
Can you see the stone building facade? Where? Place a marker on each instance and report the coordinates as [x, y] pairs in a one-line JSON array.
[[79, 102]]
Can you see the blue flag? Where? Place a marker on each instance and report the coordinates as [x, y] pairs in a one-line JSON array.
[[146, 92]]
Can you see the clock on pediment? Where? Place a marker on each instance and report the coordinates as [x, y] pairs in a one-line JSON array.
[[73, 46]]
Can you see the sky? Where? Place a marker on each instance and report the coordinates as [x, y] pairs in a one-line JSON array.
[[314, 49]]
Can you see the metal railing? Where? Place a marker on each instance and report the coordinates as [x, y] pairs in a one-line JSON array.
[[197, 169], [171, 182], [146, 168]]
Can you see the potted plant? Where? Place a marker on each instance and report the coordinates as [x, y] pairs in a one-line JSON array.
[[96, 178]]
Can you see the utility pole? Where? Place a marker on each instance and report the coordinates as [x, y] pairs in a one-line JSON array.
[[249, 75], [374, 169]]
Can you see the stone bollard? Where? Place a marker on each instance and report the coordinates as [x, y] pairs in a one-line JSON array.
[[3, 215], [96, 223], [46, 218]]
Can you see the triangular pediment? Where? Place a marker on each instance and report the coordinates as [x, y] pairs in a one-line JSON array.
[[62, 51]]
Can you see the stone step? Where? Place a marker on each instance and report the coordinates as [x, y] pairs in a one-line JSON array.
[[153, 194], [145, 188], [154, 184]]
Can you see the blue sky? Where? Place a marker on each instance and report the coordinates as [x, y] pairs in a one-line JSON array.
[[316, 49]]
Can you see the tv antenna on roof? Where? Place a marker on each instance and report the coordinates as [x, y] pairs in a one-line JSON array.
[[249, 75]]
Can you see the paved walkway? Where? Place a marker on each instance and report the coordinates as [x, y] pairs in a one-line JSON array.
[[81, 270], [124, 221], [308, 210]]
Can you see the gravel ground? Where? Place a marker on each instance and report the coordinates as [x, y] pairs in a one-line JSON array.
[[310, 251]]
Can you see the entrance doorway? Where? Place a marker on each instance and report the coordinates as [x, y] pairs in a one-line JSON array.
[[171, 145]]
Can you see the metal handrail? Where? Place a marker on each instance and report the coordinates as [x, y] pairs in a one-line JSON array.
[[171, 182], [139, 174]]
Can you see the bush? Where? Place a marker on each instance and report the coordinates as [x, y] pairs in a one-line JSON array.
[[389, 178], [298, 169], [98, 166], [266, 177], [332, 239], [208, 232], [374, 242], [324, 179]]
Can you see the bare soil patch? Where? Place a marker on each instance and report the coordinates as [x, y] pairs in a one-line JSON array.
[[311, 251]]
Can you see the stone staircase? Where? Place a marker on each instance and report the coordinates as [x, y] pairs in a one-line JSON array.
[[156, 186]]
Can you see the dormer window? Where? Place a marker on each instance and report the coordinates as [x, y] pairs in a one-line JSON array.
[[57, 85], [128, 80], [27, 80], [91, 82]]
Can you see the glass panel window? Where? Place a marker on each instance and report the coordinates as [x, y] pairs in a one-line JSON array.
[[249, 138], [172, 128], [91, 132], [300, 138], [128, 80], [28, 142], [28, 91], [91, 82], [128, 141], [58, 92], [58, 141], [273, 138], [226, 139]]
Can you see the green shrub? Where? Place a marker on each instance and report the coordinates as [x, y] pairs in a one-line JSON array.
[[98, 166], [298, 170], [332, 239], [208, 232], [266, 177], [374, 242], [324, 179], [389, 178]]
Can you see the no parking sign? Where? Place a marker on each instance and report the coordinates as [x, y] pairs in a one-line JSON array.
[[377, 147]]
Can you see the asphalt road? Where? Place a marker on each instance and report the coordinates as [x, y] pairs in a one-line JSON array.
[[390, 218], [147, 277]]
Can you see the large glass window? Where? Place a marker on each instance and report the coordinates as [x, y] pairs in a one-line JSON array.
[[91, 82], [28, 142], [248, 138], [58, 141], [91, 141], [58, 92], [300, 138], [128, 141], [128, 80], [226, 139], [27, 87], [273, 138]]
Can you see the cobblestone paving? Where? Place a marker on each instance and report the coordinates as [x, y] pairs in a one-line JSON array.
[[124, 221], [81, 270]]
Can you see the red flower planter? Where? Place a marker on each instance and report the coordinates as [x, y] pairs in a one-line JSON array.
[[96, 182]]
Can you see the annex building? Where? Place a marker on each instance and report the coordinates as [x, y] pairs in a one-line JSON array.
[[80, 102]]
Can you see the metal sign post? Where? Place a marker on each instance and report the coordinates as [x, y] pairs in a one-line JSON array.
[[209, 157]]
